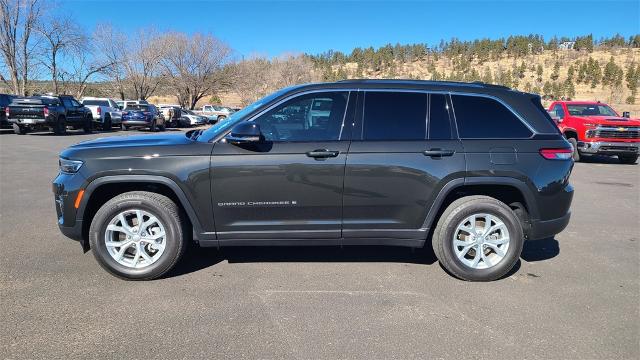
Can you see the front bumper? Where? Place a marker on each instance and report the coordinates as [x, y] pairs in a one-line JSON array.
[[65, 189], [610, 148]]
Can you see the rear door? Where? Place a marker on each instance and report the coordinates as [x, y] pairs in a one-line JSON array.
[[393, 169], [290, 185]]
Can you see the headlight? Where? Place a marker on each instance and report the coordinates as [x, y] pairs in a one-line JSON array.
[[69, 166]]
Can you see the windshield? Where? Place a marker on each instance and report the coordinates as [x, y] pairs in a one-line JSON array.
[[238, 116], [590, 110], [189, 112]]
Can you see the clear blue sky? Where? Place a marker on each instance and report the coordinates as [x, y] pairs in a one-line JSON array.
[[271, 28]]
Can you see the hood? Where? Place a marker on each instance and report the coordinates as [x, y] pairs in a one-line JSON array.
[[134, 146], [610, 120]]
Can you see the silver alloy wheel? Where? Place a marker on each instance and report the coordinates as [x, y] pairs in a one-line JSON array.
[[135, 238], [481, 241]]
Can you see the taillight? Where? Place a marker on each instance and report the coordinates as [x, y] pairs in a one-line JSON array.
[[125, 113], [556, 154], [45, 111], [7, 111], [99, 109]]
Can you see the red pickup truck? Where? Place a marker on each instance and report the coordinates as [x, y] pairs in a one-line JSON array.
[[595, 128]]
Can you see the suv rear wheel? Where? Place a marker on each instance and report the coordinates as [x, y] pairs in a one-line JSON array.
[[138, 235], [106, 125], [478, 238], [20, 130], [88, 125], [60, 127]]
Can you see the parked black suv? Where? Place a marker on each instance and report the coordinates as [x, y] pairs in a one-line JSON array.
[[476, 168], [5, 100], [48, 112]]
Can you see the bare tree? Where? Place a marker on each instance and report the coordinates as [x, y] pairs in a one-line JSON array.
[[18, 19], [110, 49], [134, 61], [141, 63], [62, 36], [194, 65], [257, 76]]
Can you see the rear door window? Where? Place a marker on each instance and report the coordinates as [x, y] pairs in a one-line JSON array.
[[395, 116], [439, 122], [485, 118]]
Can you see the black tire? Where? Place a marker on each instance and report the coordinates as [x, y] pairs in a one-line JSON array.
[[88, 125], [628, 158], [445, 231], [106, 125], [162, 127], [221, 117], [60, 127], [20, 130], [161, 207], [124, 127], [152, 128], [574, 145]]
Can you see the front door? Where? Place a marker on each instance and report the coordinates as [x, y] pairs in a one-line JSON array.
[[290, 185]]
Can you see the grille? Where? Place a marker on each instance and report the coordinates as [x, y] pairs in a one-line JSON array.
[[616, 133]]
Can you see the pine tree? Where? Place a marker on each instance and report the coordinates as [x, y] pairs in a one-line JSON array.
[[539, 72], [570, 73], [547, 89], [487, 77], [569, 89], [612, 75], [556, 71]]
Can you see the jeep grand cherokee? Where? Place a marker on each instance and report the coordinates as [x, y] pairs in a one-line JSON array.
[[472, 170]]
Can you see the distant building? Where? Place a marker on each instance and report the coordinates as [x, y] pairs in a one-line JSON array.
[[567, 45]]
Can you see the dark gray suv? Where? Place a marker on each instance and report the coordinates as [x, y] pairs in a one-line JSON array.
[[473, 170]]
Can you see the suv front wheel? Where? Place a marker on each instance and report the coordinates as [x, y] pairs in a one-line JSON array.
[[478, 238], [138, 235]]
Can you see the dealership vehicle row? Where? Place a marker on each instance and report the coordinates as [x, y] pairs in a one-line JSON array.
[[57, 113]]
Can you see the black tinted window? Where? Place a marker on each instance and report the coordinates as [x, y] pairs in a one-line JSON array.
[[395, 116], [96, 102], [439, 125], [312, 117], [559, 111], [484, 118]]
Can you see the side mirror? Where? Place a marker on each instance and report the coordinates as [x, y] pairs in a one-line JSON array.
[[245, 133], [626, 114]]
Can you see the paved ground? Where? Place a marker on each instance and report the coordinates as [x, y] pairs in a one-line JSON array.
[[576, 296]]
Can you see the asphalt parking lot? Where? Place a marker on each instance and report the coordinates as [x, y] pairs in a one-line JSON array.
[[575, 296]]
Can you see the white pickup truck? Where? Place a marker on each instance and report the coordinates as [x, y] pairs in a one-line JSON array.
[[215, 113], [105, 111]]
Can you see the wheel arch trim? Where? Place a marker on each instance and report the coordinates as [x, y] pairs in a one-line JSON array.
[[454, 184], [112, 179]]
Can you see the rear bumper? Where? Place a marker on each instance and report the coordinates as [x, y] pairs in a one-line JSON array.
[[611, 148], [136, 122], [543, 229]]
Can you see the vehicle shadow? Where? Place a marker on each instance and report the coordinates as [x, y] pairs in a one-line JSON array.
[[598, 159], [540, 250], [200, 258]]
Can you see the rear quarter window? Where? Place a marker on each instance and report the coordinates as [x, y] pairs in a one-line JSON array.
[[480, 117]]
